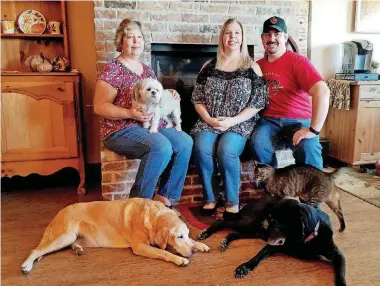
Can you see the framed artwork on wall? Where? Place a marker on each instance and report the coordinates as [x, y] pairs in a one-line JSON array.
[[367, 16]]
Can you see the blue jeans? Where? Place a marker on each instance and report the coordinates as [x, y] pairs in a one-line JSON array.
[[265, 138], [166, 152], [224, 148]]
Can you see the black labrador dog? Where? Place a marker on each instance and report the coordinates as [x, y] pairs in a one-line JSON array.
[[253, 221], [289, 227]]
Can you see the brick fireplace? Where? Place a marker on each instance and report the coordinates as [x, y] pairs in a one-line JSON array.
[[191, 23]]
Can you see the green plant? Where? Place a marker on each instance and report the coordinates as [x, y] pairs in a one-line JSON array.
[[375, 65]]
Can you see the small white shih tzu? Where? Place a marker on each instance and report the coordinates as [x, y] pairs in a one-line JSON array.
[[148, 95]]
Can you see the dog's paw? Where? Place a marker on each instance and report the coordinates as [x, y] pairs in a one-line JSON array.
[[203, 235], [181, 261], [178, 128], [26, 267], [153, 130], [223, 245], [78, 250], [202, 247], [242, 271]]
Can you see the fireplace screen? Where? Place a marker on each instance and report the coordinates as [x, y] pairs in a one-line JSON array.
[[177, 67]]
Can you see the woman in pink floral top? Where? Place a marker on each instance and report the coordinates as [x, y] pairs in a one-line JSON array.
[[165, 153]]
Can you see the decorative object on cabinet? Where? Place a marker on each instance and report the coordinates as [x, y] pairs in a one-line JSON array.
[[41, 124], [8, 26], [38, 63], [54, 27], [60, 64], [32, 22], [17, 47], [354, 134], [374, 66], [45, 66]]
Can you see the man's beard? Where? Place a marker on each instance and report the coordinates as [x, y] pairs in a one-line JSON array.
[[272, 50]]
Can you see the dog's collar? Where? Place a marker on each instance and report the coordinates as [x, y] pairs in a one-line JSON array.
[[313, 234]]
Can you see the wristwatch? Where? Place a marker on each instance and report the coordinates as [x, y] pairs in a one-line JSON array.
[[312, 130]]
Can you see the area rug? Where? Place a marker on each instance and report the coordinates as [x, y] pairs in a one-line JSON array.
[[365, 186], [193, 215]]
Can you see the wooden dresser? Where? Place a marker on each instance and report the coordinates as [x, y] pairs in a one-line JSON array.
[[354, 134], [41, 124], [40, 111]]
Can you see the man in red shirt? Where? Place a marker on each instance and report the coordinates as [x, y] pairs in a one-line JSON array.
[[291, 80]]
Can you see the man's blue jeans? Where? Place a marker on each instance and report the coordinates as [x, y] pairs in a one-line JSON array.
[[265, 138], [224, 148], [166, 152]]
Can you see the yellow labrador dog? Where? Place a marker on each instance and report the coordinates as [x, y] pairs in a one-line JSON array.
[[137, 223]]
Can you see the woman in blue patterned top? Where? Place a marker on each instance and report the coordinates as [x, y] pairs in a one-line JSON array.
[[228, 95]]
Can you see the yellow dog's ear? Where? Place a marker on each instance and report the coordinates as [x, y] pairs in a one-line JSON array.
[[162, 237], [164, 227]]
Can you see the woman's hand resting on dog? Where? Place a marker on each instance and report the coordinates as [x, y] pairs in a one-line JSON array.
[[140, 115]]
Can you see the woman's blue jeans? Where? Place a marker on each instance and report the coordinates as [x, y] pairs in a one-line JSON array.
[[265, 138], [166, 152], [219, 151]]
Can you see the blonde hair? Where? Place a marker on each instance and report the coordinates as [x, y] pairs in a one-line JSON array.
[[245, 59], [122, 30]]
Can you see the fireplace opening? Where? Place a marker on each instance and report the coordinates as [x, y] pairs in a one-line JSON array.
[[177, 67]]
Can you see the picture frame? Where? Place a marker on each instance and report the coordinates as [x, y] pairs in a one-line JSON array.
[[367, 15]]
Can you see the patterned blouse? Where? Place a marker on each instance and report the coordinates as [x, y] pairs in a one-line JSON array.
[[227, 94], [122, 79]]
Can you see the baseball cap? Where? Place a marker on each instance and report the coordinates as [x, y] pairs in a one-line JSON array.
[[274, 23]]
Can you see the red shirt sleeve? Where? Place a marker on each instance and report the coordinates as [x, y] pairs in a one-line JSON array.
[[306, 74]]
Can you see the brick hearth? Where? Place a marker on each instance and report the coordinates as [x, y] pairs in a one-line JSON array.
[[118, 175], [185, 22]]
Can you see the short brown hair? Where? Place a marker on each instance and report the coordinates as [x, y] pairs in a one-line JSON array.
[[121, 31]]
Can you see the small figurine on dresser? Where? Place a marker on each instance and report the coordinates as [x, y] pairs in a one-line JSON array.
[[38, 63], [60, 64], [42, 64]]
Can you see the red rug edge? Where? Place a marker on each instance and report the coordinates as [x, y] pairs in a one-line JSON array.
[[185, 211]]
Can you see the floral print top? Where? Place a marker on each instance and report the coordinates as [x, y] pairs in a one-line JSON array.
[[227, 94], [122, 79]]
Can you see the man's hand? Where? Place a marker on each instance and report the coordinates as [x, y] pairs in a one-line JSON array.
[[140, 115], [303, 133]]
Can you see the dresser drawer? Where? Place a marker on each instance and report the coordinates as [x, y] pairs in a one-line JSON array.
[[369, 92]]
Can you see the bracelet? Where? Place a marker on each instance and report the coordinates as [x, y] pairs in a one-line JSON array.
[[312, 130]]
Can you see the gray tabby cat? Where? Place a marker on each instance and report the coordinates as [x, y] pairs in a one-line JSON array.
[[304, 181]]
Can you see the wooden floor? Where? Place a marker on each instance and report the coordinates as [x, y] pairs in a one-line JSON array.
[[25, 214]]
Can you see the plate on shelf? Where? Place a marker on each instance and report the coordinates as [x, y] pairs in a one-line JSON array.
[[31, 22]]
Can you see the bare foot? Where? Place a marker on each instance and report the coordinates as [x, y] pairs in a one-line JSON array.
[[162, 199], [209, 206]]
